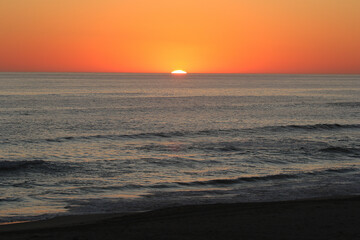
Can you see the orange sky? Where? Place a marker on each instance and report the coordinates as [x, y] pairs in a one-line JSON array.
[[235, 36]]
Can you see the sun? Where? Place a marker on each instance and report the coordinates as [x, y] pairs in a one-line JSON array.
[[178, 72]]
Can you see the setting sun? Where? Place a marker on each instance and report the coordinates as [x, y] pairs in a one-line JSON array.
[[178, 72]]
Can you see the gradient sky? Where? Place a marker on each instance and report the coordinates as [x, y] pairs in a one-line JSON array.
[[235, 36]]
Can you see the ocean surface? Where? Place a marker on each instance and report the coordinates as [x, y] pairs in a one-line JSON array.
[[103, 143]]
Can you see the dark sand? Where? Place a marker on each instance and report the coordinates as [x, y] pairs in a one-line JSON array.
[[307, 219]]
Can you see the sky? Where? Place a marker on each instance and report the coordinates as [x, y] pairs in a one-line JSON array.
[[203, 36]]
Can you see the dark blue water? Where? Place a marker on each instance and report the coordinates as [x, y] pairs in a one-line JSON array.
[[92, 143]]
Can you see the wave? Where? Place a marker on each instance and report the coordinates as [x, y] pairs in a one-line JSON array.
[[212, 183], [340, 170], [344, 150], [119, 136], [214, 146], [207, 132], [16, 165], [34, 165], [9, 199], [323, 126], [227, 181], [211, 132], [345, 104], [237, 180], [241, 147]]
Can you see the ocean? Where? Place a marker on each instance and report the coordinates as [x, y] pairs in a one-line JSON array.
[[82, 143]]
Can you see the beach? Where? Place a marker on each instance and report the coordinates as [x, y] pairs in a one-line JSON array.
[[336, 218]]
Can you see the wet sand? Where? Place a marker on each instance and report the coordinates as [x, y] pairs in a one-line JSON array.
[[306, 219]]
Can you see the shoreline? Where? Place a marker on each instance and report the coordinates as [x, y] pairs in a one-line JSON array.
[[333, 218]]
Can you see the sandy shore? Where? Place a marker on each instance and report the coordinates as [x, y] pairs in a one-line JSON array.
[[307, 219]]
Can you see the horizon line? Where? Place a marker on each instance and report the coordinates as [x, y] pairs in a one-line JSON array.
[[264, 73]]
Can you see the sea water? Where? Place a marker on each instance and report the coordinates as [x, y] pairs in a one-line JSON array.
[[103, 143]]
